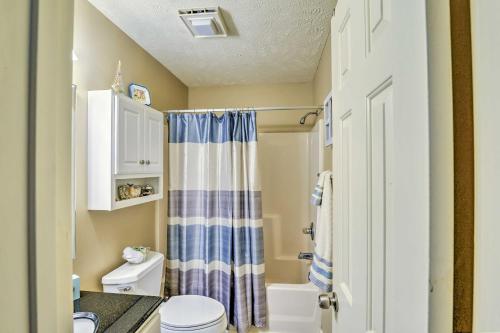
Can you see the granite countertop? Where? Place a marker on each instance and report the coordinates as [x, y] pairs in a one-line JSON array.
[[119, 313]]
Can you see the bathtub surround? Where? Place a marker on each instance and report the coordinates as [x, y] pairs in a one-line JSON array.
[[101, 236], [284, 159], [293, 308], [214, 233]]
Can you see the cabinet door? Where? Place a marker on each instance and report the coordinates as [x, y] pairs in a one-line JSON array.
[[153, 136], [129, 145], [152, 324]]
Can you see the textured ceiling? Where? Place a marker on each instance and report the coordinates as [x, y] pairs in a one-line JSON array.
[[271, 41]]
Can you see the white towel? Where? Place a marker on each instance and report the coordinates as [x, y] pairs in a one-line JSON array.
[[321, 268], [134, 255]]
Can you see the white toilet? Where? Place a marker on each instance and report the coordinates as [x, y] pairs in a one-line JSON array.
[[187, 313]]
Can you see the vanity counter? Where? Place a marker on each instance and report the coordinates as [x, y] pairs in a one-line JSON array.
[[118, 312]]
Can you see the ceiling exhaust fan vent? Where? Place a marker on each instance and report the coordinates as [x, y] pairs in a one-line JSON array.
[[204, 22]]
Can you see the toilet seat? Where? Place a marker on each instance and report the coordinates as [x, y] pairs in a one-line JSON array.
[[189, 313]]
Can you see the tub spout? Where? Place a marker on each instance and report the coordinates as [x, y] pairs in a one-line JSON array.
[[306, 255]]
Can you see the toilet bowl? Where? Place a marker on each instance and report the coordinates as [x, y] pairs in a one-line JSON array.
[[192, 313], [185, 313]]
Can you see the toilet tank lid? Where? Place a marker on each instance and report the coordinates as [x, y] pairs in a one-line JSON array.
[[128, 273]]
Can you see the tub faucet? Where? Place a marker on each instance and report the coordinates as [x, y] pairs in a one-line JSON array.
[[306, 255]]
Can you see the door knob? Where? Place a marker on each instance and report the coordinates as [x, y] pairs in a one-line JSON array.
[[326, 301], [141, 162], [148, 162]]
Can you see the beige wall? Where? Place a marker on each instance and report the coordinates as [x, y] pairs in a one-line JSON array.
[[286, 94], [322, 82], [14, 31], [289, 94], [322, 86], [99, 45]]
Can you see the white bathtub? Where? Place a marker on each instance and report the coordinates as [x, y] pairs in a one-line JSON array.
[[292, 308]]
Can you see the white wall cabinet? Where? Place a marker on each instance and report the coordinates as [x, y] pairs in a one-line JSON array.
[[125, 146], [153, 147], [130, 137]]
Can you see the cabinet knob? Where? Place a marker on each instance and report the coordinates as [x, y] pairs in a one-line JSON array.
[[148, 162], [141, 162]]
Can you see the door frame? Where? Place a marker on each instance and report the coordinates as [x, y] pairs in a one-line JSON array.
[[484, 244], [49, 44]]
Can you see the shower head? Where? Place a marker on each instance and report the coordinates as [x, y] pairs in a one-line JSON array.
[[302, 120]]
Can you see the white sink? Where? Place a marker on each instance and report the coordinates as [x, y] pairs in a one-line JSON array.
[[85, 322]]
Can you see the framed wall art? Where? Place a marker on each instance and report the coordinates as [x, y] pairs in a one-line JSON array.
[[139, 93]]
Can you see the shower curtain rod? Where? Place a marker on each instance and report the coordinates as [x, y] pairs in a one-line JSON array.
[[272, 108]]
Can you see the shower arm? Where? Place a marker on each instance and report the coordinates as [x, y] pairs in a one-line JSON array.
[[303, 119]]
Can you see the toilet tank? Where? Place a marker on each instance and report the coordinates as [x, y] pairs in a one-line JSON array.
[[139, 279]]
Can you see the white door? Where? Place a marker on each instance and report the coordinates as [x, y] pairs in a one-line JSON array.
[[381, 166], [129, 137], [486, 53], [153, 137]]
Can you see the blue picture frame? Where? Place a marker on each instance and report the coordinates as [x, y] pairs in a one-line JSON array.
[[139, 93]]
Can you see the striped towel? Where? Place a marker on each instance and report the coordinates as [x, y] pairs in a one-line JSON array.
[[321, 268], [317, 194]]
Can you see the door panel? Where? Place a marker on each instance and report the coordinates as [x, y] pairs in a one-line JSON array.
[[345, 48], [345, 278], [380, 146], [348, 160], [381, 166], [129, 142], [153, 133], [377, 21]]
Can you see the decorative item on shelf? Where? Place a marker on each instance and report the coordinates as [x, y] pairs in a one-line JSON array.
[[147, 190], [123, 192], [117, 85], [139, 93], [135, 191], [129, 191]]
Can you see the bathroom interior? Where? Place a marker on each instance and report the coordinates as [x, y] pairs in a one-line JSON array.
[[267, 59]]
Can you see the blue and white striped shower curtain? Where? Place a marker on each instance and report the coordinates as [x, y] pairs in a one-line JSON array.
[[215, 235]]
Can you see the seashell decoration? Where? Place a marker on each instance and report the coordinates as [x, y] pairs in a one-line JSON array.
[[130, 191], [147, 190]]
